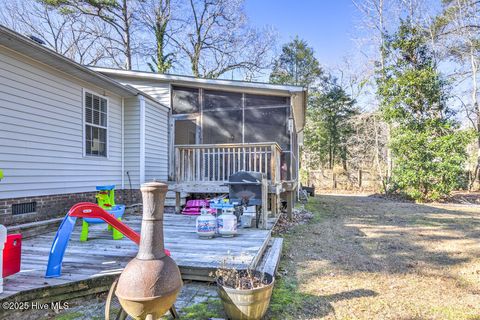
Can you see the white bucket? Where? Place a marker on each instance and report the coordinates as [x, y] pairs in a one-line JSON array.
[[246, 220]]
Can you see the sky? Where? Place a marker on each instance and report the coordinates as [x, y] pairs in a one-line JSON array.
[[327, 25]]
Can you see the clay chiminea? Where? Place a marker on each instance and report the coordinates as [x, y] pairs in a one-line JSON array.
[[150, 283]]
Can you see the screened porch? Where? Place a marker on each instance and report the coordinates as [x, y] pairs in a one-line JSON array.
[[217, 133]]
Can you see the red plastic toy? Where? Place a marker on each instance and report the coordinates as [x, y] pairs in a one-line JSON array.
[[12, 255], [90, 210], [82, 210]]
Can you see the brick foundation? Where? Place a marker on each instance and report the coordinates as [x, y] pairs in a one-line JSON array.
[[57, 205]]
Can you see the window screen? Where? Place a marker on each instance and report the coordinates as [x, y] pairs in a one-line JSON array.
[[267, 125], [95, 125], [213, 99], [185, 100], [252, 100], [222, 126]]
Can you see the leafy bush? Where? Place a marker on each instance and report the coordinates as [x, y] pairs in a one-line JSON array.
[[429, 150], [429, 161]]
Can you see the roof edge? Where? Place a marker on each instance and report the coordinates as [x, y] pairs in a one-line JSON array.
[[191, 79]]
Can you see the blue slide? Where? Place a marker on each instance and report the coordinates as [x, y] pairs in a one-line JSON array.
[[59, 245]]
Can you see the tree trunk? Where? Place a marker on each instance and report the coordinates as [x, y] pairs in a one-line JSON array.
[[476, 107], [161, 21], [126, 39]]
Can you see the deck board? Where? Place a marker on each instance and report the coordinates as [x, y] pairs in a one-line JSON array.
[[101, 256]]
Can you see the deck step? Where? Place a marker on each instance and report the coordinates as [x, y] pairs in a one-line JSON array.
[[170, 198], [271, 258], [32, 229]]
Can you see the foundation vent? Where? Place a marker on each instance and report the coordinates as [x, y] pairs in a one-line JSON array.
[[27, 207]]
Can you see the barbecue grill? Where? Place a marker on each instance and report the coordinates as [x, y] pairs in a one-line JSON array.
[[247, 188]]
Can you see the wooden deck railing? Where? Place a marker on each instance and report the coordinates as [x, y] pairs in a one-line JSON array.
[[216, 162]]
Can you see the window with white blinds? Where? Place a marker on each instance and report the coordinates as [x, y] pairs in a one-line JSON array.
[[95, 125]]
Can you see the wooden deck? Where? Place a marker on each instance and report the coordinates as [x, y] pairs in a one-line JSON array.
[[89, 267]]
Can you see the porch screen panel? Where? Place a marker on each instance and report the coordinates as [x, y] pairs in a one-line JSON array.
[[267, 125], [254, 100], [185, 100], [222, 126], [214, 100]]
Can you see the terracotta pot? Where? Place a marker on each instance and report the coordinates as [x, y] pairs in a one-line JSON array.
[[246, 304]]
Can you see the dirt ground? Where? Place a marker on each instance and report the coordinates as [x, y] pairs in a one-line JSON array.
[[363, 257]]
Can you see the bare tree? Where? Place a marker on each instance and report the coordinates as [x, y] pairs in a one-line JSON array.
[[377, 15], [117, 14], [69, 35], [458, 29], [217, 39], [156, 16], [367, 146]]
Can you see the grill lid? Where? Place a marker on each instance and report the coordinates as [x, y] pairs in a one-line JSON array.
[[246, 177]]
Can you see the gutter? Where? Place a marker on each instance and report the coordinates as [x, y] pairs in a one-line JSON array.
[[142, 138], [123, 142]]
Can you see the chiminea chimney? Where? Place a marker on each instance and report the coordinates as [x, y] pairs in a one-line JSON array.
[[150, 283]]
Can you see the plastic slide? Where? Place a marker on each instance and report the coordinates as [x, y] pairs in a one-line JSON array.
[[82, 210]]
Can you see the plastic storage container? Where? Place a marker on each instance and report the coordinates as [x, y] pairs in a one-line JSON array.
[[246, 220], [12, 255]]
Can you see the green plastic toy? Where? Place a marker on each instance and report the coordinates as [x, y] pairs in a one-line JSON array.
[[1, 174], [106, 200]]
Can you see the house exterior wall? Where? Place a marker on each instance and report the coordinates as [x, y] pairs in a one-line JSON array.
[[132, 142], [42, 140], [41, 132], [156, 141]]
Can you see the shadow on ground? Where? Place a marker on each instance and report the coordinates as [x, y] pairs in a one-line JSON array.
[[356, 239]]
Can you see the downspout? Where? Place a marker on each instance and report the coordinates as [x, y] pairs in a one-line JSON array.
[[142, 139], [123, 142]]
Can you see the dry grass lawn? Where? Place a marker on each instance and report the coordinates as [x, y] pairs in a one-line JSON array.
[[368, 258]]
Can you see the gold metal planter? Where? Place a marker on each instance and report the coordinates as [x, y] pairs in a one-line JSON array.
[[246, 304]]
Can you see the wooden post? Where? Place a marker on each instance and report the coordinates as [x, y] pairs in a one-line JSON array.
[[264, 204], [273, 203], [177, 202], [334, 180], [359, 178], [290, 204], [177, 164], [273, 165]]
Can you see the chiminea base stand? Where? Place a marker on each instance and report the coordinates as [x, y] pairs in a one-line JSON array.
[[121, 314]]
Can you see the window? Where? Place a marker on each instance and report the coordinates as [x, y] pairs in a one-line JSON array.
[[95, 125]]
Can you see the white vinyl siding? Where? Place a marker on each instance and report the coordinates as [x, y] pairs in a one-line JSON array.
[[156, 141], [132, 142], [41, 132], [160, 91]]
